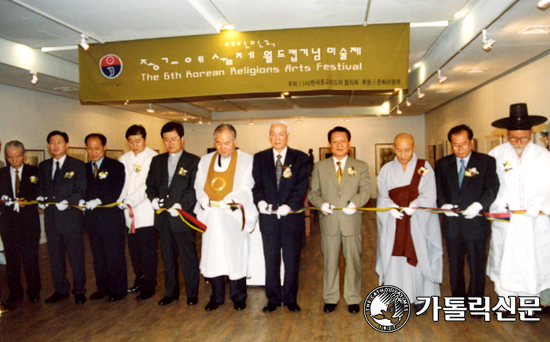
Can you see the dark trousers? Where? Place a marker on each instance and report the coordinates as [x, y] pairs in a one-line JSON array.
[[460, 249], [72, 245], [143, 248], [182, 245], [291, 244], [21, 249], [109, 253], [237, 289]]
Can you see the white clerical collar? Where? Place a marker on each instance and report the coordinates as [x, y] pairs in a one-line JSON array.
[[176, 155]]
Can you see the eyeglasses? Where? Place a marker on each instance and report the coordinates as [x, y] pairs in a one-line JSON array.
[[463, 145], [522, 139]]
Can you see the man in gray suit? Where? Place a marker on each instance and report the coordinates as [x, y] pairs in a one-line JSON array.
[[340, 182]]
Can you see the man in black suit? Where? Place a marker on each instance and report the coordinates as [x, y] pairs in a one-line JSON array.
[[466, 181], [105, 226], [62, 179], [170, 184], [281, 181], [20, 225]]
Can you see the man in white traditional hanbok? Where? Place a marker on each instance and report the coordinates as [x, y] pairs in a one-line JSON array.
[[519, 254], [409, 250], [143, 243], [225, 177]]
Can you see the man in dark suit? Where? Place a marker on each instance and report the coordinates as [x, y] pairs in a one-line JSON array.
[[170, 184], [281, 181], [105, 226], [20, 225], [62, 179], [466, 181]]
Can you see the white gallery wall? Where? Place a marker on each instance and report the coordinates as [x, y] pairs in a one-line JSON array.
[[479, 108]]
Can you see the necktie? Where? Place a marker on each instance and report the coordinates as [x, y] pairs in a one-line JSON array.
[[57, 172], [461, 173], [339, 173], [95, 169], [278, 169], [17, 183]]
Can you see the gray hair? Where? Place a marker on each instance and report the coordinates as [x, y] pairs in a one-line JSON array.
[[14, 144], [223, 127], [279, 122]]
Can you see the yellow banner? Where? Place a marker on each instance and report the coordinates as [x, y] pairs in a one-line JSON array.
[[374, 57]]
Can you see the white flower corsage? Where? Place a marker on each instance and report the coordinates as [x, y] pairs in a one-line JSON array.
[[287, 173], [182, 171], [423, 171], [352, 171], [33, 179], [138, 168], [69, 174], [471, 172], [507, 166], [103, 174]]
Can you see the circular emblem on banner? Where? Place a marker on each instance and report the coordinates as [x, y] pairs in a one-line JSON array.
[[387, 309], [110, 66], [218, 184]]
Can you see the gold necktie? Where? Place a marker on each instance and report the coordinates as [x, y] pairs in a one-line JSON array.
[[339, 173], [95, 170]]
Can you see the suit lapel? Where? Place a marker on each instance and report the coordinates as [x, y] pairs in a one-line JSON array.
[[175, 176], [289, 160], [269, 167], [452, 173], [331, 171]]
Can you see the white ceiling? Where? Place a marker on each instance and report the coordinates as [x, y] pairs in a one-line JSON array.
[[453, 48]]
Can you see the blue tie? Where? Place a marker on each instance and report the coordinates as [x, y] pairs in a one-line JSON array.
[[461, 173]]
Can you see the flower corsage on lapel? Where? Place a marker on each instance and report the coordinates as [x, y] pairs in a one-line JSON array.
[[507, 166], [69, 175], [33, 179], [352, 171], [103, 174], [138, 168], [182, 172], [471, 172], [423, 171], [287, 172]]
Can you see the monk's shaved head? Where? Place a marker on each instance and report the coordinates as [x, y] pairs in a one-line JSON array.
[[403, 137]]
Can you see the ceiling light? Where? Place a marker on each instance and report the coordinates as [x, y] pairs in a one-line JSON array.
[[34, 78], [299, 121], [543, 4], [460, 14], [441, 78], [251, 123], [487, 43], [185, 117], [209, 123], [200, 121], [444, 91], [477, 70], [347, 119], [420, 95], [286, 93], [536, 29], [399, 111], [389, 116], [407, 102], [442, 23], [126, 102], [379, 117], [150, 109], [229, 27], [83, 43], [417, 65]]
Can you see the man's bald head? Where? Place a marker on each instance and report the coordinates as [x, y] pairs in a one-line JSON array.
[[404, 148], [403, 137]]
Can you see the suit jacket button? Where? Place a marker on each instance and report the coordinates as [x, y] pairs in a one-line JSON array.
[[167, 196]]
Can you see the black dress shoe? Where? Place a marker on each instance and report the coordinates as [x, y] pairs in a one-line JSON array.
[[329, 308], [34, 299], [353, 308], [293, 307], [239, 305], [134, 289], [192, 300], [167, 300], [98, 295], [270, 307], [544, 309], [116, 296], [79, 298], [418, 307], [145, 295], [14, 299], [56, 297], [211, 306]]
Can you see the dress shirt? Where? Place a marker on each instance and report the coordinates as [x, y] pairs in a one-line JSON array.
[[283, 155], [12, 172], [466, 160], [54, 165], [342, 163]]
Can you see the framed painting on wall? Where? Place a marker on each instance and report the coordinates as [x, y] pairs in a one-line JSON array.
[[383, 153], [35, 157], [79, 153], [115, 154]]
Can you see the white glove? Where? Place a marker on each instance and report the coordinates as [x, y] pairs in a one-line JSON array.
[[8, 200], [264, 208], [62, 205], [351, 209], [82, 204], [122, 205], [395, 213], [532, 211], [472, 211], [42, 199], [16, 206], [156, 203], [326, 208], [283, 211], [172, 211], [411, 209], [449, 207], [91, 205], [205, 205]]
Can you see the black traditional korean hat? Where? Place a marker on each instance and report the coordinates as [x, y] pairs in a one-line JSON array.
[[519, 119]]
